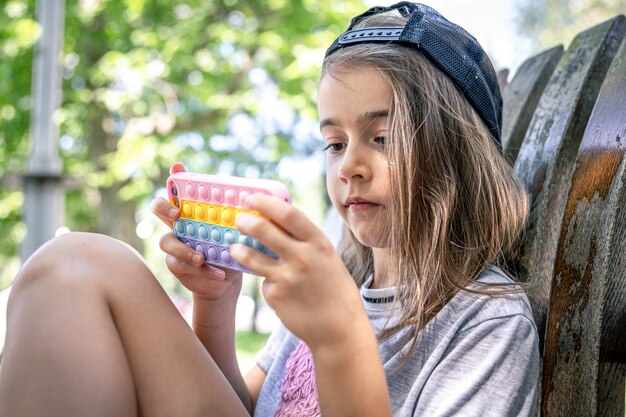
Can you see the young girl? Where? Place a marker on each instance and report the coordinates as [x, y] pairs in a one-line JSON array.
[[411, 318]]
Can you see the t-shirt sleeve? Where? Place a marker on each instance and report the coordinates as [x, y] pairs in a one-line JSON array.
[[268, 352], [490, 369]]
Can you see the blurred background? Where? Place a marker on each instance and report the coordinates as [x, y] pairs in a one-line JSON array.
[[225, 86]]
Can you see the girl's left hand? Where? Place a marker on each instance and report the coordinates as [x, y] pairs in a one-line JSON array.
[[308, 286]]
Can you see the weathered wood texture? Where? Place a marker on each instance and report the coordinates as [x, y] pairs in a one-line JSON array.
[[521, 95], [546, 158], [585, 347], [573, 257]]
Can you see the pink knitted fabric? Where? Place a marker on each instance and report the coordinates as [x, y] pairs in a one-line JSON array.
[[298, 394]]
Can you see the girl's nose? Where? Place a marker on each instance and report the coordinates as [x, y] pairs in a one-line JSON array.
[[354, 165]]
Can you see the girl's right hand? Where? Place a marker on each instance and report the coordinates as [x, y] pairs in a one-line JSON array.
[[187, 265]]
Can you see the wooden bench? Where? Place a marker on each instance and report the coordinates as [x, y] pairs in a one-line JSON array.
[[564, 129]]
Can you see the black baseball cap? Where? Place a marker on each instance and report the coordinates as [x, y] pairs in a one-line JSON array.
[[457, 53]]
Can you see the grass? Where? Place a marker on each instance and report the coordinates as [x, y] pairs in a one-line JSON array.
[[248, 344]]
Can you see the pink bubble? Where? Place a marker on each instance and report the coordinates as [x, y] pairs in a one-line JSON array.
[[191, 190], [230, 196], [217, 194], [203, 192], [243, 194]]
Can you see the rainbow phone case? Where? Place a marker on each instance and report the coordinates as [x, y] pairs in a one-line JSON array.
[[209, 205]]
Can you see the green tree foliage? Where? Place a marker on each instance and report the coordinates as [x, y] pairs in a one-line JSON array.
[[221, 85], [552, 22], [18, 32]]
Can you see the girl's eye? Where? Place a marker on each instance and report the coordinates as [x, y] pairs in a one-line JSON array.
[[333, 147], [380, 140]]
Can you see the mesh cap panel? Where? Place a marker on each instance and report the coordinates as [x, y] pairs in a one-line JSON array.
[[447, 45]]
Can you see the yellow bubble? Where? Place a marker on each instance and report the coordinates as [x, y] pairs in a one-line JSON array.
[[188, 209], [213, 215], [227, 216], [200, 212]]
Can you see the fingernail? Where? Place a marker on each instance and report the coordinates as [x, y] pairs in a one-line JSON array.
[[250, 200], [234, 248], [243, 219], [219, 274], [196, 258], [173, 213]]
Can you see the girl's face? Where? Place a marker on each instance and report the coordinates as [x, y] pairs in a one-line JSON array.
[[354, 107]]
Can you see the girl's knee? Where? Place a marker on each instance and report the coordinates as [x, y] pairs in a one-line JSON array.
[[76, 256]]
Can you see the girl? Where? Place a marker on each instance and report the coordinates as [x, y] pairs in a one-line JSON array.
[[411, 318]]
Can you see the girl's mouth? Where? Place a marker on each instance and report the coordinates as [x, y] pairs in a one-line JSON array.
[[359, 204], [362, 206]]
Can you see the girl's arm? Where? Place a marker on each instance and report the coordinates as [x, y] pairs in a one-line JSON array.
[[317, 300], [215, 294], [214, 324], [350, 376]]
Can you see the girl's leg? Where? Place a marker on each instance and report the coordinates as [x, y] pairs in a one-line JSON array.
[[91, 332]]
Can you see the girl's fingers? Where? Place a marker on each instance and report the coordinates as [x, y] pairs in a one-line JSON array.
[[254, 260], [172, 246], [165, 211], [183, 261], [291, 220], [162, 208], [268, 233], [184, 271], [266, 287]]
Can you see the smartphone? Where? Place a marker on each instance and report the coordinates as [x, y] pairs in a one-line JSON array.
[[209, 205]]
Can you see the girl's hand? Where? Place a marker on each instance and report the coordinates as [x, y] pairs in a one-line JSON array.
[[186, 264], [308, 286]]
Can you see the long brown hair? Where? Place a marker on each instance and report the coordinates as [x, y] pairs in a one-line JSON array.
[[457, 206]]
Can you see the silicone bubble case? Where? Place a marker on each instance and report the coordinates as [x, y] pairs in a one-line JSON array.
[[209, 205]]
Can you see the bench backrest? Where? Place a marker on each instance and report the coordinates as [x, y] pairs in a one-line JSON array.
[[571, 155]]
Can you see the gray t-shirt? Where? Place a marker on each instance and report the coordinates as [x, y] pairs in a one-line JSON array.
[[478, 356]]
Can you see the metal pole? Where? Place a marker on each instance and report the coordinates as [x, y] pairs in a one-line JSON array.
[[44, 196]]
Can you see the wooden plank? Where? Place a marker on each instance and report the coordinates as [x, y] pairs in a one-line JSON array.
[[503, 78], [521, 95], [546, 159], [585, 347]]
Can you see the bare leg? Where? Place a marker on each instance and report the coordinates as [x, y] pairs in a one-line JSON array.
[[91, 332]]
